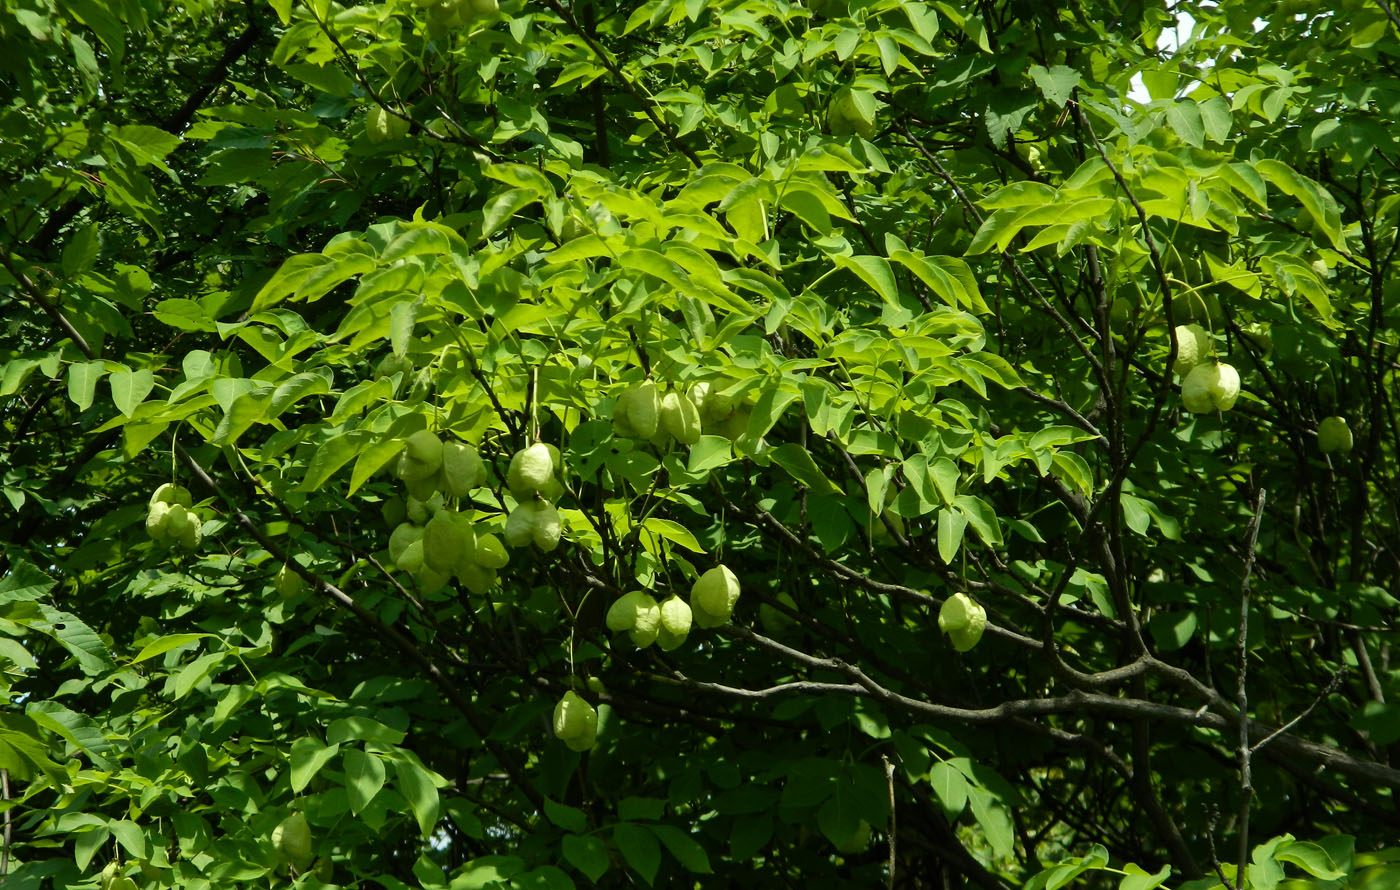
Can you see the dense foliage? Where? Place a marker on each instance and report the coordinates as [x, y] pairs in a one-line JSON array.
[[873, 304]]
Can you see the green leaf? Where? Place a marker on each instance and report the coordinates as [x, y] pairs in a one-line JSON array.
[[1172, 630], [1216, 119], [546, 877], [951, 788], [333, 454], [72, 634], [710, 453], [566, 817], [839, 818], [308, 756], [771, 405], [639, 848], [80, 731], [1380, 721], [1135, 514], [130, 836], [371, 461], [364, 778], [80, 253], [499, 210], [875, 272], [682, 846], [521, 176], [1138, 879], [294, 389], [798, 462], [148, 145], [1184, 117], [981, 516], [482, 873], [24, 582], [419, 786], [1057, 84], [130, 388], [1316, 200], [587, 854], [362, 729], [951, 526], [674, 532], [994, 820], [166, 644], [82, 382], [184, 680]]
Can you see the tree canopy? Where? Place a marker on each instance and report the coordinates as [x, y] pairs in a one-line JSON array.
[[713, 443]]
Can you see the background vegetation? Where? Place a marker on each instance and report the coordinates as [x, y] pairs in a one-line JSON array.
[[935, 253]]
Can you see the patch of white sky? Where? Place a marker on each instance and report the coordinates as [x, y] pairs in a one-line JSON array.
[[1170, 41]]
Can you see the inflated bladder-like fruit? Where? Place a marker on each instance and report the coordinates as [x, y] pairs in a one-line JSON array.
[[1333, 435], [420, 512], [639, 615], [637, 411], [704, 619], [1260, 335], [411, 560], [465, 525], [430, 580], [177, 519], [622, 614], [1192, 347], [715, 593], [844, 116], [190, 536], [1210, 387], [715, 408], [171, 522], [675, 623], [405, 534], [680, 418], [292, 841], [288, 583], [531, 470], [381, 126], [963, 620], [392, 364], [156, 521], [571, 228], [533, 522], [462, 469], [444, 545], [490, 553], [170, 493], [575, 722], [421, 457], [737, 426], [425, 489], [477, 579], [394, 511]]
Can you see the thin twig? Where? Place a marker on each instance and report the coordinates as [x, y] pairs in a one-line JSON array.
[[1242, 692], [1210, 848], [34, 293], [1331, 688], [889, 778], [5, 853]]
